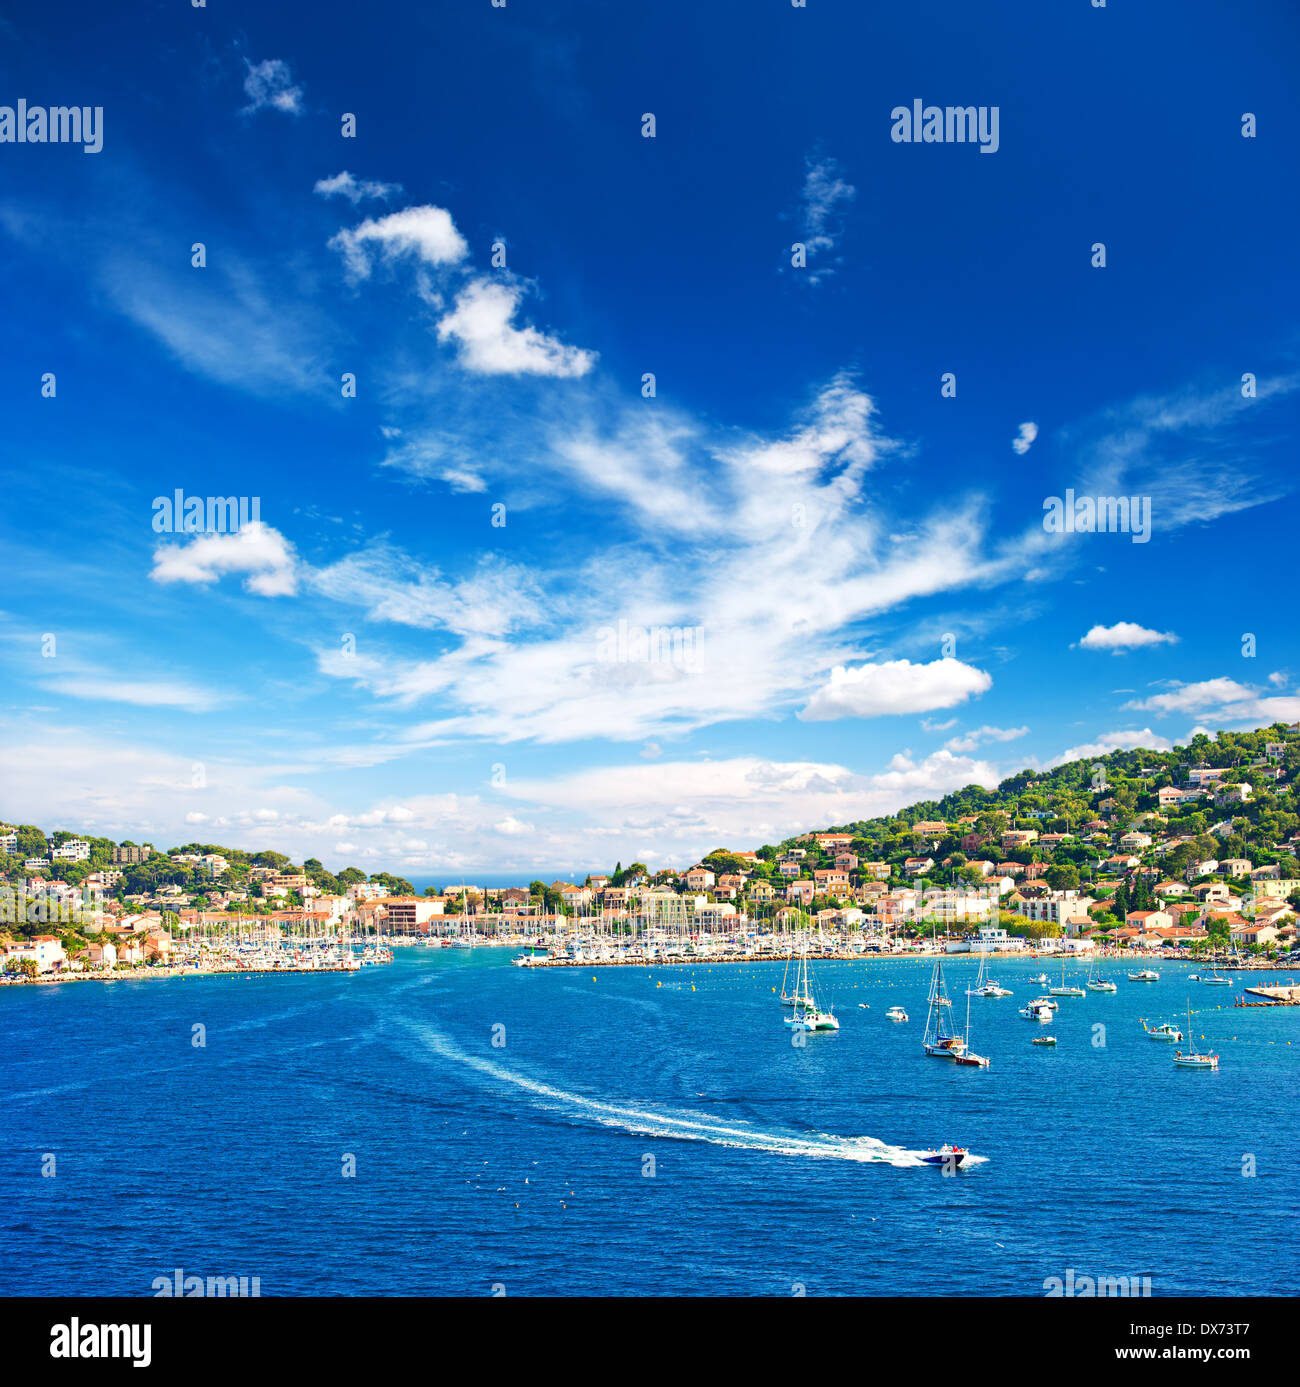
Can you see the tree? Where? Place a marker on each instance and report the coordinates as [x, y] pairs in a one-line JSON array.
[[1062, 878]]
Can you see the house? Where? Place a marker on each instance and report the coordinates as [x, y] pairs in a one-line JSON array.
[[972, 842], [829, 842], [1121, 862], [1147, 920], [700, 879], [1169, 888], [789, 869], [1257, 933], [1275, 751], [132, 853], [930, 828], [831, 879], [800, 892], [1018, 838], [102, 955], [983, 866], [44, 950], [877, 871], [1133, 841], [761, 890], [74, 850], [918, 866], [1235, 867], [847, 861], [1232, 794], [1201, 869], [1202, 776]]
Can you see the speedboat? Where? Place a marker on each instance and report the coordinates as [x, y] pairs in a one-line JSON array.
[[1166, 1030], [1144, 975], [895, 1014], [946, 1155]]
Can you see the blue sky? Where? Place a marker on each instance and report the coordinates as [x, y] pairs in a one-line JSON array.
[[872, 610]]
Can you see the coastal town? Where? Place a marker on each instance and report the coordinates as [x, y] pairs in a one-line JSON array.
[[1194, 852]]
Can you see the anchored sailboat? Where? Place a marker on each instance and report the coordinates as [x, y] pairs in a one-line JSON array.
[[941, 1041]]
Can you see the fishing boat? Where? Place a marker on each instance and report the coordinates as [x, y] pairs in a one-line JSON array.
[[1166, 1030], [895, 1014], [1144, 975], [1043, 1040], [1194, 1059], [946, 1155], [1063, 990]]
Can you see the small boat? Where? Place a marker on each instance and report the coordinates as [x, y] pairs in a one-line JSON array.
[[1216, 979], [895, 1014], [986, 987], [1041, 979], [946, 1155], [1144, 975], [1043, 1040], [1194, 1059], [863, 1006], [1096, 984], [1166, 1030], [1041, 1010], [1063, 990]]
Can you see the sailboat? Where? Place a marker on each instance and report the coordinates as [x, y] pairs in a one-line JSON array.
[[986, 987], [1193, 1059], [796, 997], [807, 1015], [940, 1040], [1096, 984], [1064, 991]]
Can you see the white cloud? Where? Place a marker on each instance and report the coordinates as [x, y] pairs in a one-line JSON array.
[[824, 190], [968, 741], [270, 83], [1225, 700], [1113, 741], [1125, 635], [1024, 440], [489, 342], [256, 549], [428, 233], [355, 189], [512, 827], [895, 686], [142, 693]]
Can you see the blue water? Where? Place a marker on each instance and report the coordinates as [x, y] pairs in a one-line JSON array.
[[523, 1165]]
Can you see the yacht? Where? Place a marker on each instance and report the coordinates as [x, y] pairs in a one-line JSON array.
[[895, 1014], [1144, 975], [1166, 1030]]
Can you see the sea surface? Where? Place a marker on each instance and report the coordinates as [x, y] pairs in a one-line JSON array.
[[636, 1131]]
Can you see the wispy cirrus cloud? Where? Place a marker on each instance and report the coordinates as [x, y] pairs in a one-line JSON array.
[[355, 189], [269, 85]]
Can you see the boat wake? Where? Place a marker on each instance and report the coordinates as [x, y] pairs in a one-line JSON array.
[[680, 1126]]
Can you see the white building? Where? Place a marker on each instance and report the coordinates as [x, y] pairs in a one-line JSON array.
[[74, 850]]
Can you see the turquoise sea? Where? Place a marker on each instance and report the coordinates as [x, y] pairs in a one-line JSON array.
[[635, 1132]]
